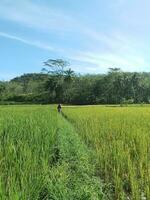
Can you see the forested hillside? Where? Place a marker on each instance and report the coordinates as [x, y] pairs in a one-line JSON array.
[[115, 87]]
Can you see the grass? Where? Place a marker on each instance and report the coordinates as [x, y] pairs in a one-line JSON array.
[[120, 141], [42, 157], [27, 135], [89, 153]]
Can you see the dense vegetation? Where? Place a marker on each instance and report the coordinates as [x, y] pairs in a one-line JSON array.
[[120, 140], [24, 154], [115, 87], [42, 157], [91, 153]]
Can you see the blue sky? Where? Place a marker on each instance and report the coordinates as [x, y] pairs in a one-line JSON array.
[[92, 35]]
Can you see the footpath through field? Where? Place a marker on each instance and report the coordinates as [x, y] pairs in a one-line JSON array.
[[73, 161]]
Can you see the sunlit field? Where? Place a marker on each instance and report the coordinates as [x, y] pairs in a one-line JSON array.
[[27, 136], [119, 138], [89, 153], [42, 157]]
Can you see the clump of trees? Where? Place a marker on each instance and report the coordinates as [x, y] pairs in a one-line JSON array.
[[58, 83]]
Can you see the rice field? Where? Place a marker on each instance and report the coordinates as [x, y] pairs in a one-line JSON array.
[[27, 136], [42, 157], [87, 153], [119, 138]]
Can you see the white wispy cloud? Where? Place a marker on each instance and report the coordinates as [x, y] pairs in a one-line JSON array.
[[113, 48], [34, 15], [42, 17], [95, 61], [102, 62], [37, 44]]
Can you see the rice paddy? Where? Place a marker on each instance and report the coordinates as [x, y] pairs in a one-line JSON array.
[[27, 135], [89, 153], [120, 139], [42, 158]]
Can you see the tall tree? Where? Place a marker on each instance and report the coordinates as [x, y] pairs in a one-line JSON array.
[[61, 77], [55, 66], [2, 88]]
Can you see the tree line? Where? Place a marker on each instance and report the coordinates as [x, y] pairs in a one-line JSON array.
[[57, 83]]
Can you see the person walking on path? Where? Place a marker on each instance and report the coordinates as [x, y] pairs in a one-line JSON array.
[[59, 108]]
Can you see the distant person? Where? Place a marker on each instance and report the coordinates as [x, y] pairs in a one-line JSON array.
[[59, 107]]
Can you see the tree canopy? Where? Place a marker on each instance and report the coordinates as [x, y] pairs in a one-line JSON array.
[[64, 86]]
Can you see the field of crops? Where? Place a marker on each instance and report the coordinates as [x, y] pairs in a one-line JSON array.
[[87, 153], [42, 157], [119, 138], [27, 135]]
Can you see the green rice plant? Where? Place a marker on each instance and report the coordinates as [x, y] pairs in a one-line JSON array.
[[120, 139], [42, 157], [27, 136]]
